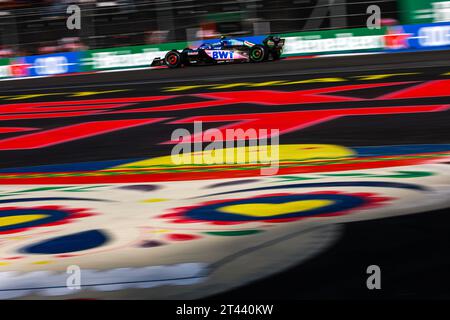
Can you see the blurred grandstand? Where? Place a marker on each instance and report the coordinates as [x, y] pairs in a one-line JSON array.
[[39, 27]]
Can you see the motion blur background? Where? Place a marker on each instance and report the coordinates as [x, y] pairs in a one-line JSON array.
[[39, 27]]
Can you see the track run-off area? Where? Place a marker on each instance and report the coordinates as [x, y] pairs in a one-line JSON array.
[[363, 179]]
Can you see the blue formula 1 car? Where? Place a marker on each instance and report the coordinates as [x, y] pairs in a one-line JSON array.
[[224, 51]]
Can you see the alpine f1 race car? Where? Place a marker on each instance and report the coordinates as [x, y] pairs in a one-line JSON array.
[[224, 51]]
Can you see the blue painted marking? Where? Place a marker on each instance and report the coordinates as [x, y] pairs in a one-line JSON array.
[[400, 149], [70, 243], [70, 167]]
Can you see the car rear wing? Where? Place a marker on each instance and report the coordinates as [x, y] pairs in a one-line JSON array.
[[274, 42]]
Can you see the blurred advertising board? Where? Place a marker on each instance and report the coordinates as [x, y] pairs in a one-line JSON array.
[[424, 11], [126, 57], [333, 41], [53, 64], [18, 67], [418, 37], [5, 70]]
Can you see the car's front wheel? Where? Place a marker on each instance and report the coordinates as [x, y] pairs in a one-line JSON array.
[[173, 59]]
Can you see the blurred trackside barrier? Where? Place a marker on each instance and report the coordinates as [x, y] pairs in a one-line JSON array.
[[53, 64], [126, 57], [358, 40], [418, 37], [108, 59], [333, 41], [4, 69]]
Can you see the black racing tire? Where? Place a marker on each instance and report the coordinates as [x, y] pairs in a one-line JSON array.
[[276, 54], [173, 59], [257, 53]]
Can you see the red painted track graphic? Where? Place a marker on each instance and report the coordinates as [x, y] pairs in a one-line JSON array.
[[87, 178]]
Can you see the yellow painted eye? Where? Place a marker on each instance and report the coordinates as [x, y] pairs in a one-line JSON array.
[[273, 209], [13, 220]]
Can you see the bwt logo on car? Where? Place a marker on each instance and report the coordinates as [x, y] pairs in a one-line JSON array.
[[222, 55]]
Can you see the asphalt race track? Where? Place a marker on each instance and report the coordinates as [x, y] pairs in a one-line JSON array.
[[363, 179]]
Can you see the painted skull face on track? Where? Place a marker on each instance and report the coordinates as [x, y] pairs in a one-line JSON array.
[[165, 239]]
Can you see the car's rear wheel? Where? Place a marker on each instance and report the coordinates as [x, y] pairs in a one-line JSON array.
[[257, 54], [173, 59]]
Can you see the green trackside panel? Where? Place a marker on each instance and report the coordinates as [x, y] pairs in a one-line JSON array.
[[333, 41], [5, 71], [424, 11]]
